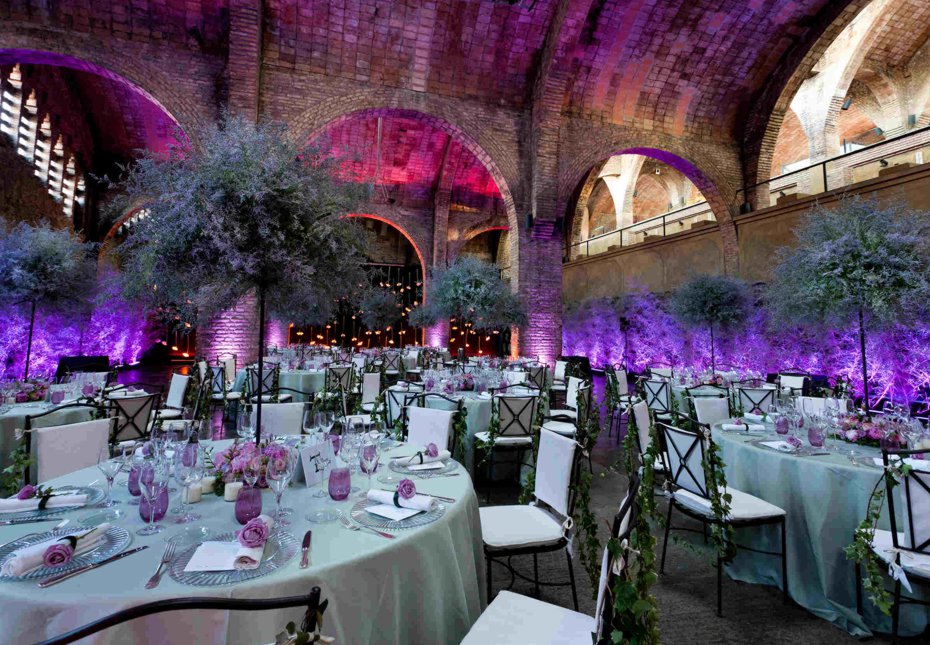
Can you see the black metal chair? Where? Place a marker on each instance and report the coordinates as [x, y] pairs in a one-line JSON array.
[[908, 546], [658, 395], [685, 451], [755, 398], [133, 416], [516, 415], [309, 624]]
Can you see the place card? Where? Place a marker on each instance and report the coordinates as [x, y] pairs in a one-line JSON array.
[[392, 512], [432, 465], [214, 556], [317, 460]]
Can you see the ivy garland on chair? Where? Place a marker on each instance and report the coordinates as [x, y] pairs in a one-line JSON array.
[[721, 531], [860, 551], [460, 432], [586, 521]]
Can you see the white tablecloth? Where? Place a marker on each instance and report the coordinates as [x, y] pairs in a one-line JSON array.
[[426, 586]]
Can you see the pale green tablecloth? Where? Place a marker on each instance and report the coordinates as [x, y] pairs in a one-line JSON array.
[[15, 418], [426, 586], [825, 498], [303, 380]]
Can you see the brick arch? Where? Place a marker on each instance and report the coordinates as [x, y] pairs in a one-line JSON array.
[[402, 231], [187, 110], [471, 234]]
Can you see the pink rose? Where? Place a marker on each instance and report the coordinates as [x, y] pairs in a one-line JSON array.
[[22, 397], [794, 441], [432, 450], [58, 555], [253, 534], [406, 489], [26, 492]]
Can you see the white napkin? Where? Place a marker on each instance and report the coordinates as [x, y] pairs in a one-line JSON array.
[[417, 502], [227, 556], [250, 558], [754, 417], [780, 446], [30, 558], [743, 427], [13, 505], [414, 459], [916, 464]]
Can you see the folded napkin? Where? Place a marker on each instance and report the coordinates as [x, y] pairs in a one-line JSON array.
[[415, 459], [916, 464], [417, 502], [30, 558], [754, 417], [743, 427], [228, 556], [14, 505], [780, 446], [250, 558]]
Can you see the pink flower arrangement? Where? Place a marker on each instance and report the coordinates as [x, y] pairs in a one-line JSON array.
[[232, 462], [33, 389], [854, 429]]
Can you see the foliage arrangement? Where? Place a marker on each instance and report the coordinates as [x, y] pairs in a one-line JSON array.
[[45, 268], [245, 211], [713, 302], [470, 290], [11, 479], [379, 309], [857, 263]]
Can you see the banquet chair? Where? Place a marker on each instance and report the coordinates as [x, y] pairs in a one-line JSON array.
[[174, 403], [38, 446], [133, 416], [755, 398], [395, 402], [514, 618], [570, 426], [281, 418], [269, 385], [666, 371], [910, 548], [538, 376], [643, 436], [617, 378], [339, 377], [685, 452], [658, 395], [516, 415], [794, 383], [710, 410], [392, 363], [571, 400], [429, 425], [309, 624], [371, 385], [558, 376], [543, 525], [219, 387]]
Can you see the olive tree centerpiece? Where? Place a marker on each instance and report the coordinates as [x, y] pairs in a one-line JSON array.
[[245, 211], [857, 263], [713, 302], [45, 268]]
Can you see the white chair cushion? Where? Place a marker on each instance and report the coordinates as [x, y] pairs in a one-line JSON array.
[[743, 506], [560, 427], [169, 413], [563, 412], [558, 387], [513, 619], [368, 407], [913, 563], [508, 527], [506, 441]]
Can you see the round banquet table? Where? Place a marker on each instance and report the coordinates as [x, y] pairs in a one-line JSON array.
[[303, 380], [15, 418], [425, 586], [825, 498]]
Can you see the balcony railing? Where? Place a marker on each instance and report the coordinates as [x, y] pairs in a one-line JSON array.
[[840, 171], [694, 217]]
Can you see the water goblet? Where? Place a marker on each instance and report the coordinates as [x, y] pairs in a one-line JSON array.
[[369, 455], [278, 473], [815, 433], [109, 467], [153, 481]]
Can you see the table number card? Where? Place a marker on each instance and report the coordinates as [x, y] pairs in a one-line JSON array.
[[317, 460]]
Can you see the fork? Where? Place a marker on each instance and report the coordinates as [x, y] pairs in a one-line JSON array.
[[346, 522], [165, 559]]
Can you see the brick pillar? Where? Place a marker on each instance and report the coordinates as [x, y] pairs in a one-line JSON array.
[[276, 333], [541, 291], [232, 331]]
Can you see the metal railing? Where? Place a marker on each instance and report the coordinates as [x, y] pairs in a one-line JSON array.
[[692, 217], [841, 171]]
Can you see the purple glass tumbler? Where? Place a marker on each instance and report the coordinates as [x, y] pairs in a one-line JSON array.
[[248, 504], [57, 397], [340, 484], [134, 489], [781, 425], [161, 507]]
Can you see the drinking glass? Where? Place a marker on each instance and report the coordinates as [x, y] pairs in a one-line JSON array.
[[815, 434], [369, 456], [340, 484], [244, 427], [135, 466], [109, 467], [310, 422], [188, 470], [153, 480], [278, 473], [321, 465]]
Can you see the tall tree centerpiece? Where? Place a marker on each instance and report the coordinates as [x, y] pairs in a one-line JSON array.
[[45, 268], [712, 302], [857, 263], [379, 309], [245, 211], [472, 292]]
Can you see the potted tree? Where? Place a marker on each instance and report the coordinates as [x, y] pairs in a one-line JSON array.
[[246, 210], [855, 264], [713, 302], [45, 268]]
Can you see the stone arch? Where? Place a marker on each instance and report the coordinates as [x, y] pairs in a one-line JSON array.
[[403, 231], [471, 234]]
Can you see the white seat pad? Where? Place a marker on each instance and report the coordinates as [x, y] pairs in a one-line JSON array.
[[564, 412], [743, 506], [513, 619], [557, 387], [169, 413], [518, 526], [913, 563], [504, 440], [266, 398], [561, 427], [368, 407]]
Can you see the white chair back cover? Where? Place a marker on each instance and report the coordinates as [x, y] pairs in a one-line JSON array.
[[606, 562], [664, 372], [359, 361], [684, 453], [176, 391], [229, 366], [554, 469], [791, 381], [513, 376], [560, 370], [756, 397], [711, 410], [281, 418], [429, 425], [571, 392], [915, 494], [60, 450], [371, 384], [202, 368], [641, 415], [623, 385]]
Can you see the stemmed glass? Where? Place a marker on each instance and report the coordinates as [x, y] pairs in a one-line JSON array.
[[109, 467], [153, 480], [321, 465], [311, 422], [369, 455], [188, 470], [278, 472]]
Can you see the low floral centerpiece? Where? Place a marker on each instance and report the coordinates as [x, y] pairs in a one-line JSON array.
[[231, 463], [26, 391], [878, 432]]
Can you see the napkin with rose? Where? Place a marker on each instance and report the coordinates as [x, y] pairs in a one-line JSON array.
[[31, 498], [55, 552], [252, 538], [404, 497], [428, 455]]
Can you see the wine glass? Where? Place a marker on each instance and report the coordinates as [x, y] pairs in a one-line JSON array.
[[369, 455], [244, 428], [109, 467], [278, 472], [311, 423], [153, 481], [188, 470]]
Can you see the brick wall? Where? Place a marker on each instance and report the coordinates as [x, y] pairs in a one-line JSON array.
[[24, 197]]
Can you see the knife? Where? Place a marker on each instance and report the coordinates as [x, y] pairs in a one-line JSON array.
[[29, 521], [305, 548], [48, 582]]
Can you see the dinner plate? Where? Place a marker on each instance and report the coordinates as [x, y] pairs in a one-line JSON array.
[[362, 516], [447, 467], [94, 497], [115, 540], [279, 549]]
